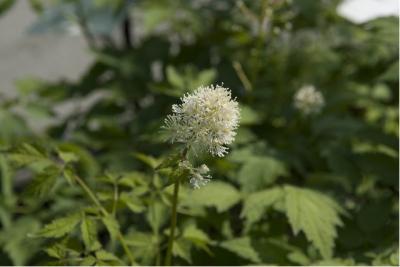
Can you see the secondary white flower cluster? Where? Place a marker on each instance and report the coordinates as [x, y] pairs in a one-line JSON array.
[[200, 177], [205, 121], [309, 100]]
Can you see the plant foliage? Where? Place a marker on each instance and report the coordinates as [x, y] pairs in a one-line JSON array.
[[86, 175]]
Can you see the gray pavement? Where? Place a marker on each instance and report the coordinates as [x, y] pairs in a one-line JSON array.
[[48, 56]]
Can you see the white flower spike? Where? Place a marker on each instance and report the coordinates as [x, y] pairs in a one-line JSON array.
[[206, 120], [308, 100]]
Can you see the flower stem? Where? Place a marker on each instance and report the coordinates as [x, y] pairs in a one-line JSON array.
[[168, 257], [93, 197]]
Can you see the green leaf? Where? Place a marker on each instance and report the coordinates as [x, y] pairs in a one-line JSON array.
[[60, 227], [220, 195], [256, 204], [88, 166], [27, 154], [181, 249], [112, 226], [148, 160], [88, 261], [58, 251], [316, 215], [44, 182], [15, 242], [156, 215], [197, 237], [108, 257], [243, 248], [195, 234], [170, 161], [248, 116], [145, 246], [139, 239], [174, 78], [134, 203], [6, 183], [68, 157], [203, 78], [89, 233], [258, 172], [299, 258]]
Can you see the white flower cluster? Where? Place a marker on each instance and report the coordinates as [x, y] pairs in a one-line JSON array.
[[309, 100], [199, 176], [205, 121]]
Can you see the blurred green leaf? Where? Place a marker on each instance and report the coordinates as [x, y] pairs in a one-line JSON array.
[[112, 226], [16, 243], [60, 227], [89, 233], [242, 247], [220, 195], [259, 172], [256, 204]]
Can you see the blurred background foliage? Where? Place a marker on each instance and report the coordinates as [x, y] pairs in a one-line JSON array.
[[294, 190]]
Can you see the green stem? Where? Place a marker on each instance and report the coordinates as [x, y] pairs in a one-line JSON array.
[[93, 197], [168, 257]]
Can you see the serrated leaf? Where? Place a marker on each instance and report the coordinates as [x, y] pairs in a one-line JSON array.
[[258, 172], [197, 237], [195, 234], [148, 160], [60, 250], [88, 261], [299, 258], [156, 215], [112, 226], [220, 195], [108, 257], [256, 204], [44, 182], [16, 243], [314, 214], [88, 166], [89, 233], [242, 247], [27, 154], [145, 246], [181, 249], [56, 251], [139, 239], [68, 157], [60, 227], [133, 202]]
